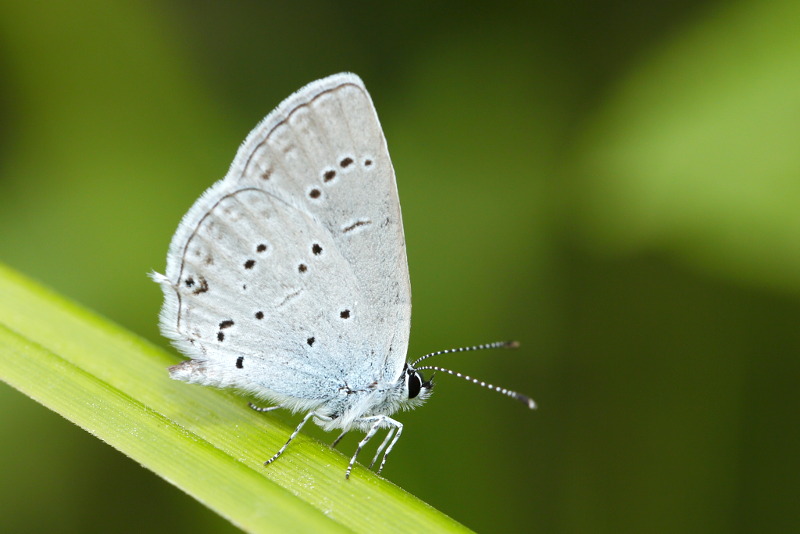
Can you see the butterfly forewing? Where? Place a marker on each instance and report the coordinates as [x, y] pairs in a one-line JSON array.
[[303, 243]]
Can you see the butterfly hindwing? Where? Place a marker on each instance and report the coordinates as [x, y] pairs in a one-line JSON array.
[[290, 274]]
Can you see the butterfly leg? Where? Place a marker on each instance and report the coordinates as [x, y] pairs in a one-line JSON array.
[[383, 445], [399, 426], [265, 408], [308, 416], [380, 421], [337, 440], [375, 426]]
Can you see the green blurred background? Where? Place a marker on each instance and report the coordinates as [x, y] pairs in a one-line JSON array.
[[615, 184]]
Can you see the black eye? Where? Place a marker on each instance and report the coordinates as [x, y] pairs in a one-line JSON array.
[[414, 384]]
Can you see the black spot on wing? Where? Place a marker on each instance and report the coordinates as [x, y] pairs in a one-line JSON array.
[[202, 287]]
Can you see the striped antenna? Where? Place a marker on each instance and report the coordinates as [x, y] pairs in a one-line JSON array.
[[496, 345]]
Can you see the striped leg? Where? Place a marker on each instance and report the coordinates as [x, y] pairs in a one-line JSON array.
[[380, 421], [265, 408], [308, 416], [399, 426], [375, 426], [383, 445], [337, 440]]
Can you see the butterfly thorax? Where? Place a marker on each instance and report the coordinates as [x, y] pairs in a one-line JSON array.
[[353, 407]]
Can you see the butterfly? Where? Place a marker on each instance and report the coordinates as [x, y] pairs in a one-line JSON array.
[[288, 278]]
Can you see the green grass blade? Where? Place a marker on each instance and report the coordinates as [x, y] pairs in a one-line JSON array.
[[204, 441]]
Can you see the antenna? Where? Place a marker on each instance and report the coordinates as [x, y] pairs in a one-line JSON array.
[[496, 345]]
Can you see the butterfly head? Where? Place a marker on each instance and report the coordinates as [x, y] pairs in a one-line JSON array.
[[417, 387]]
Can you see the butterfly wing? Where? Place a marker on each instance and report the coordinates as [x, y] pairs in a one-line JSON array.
[[288, 278]]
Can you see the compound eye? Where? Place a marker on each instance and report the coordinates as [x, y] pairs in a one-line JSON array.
[[414, 384]]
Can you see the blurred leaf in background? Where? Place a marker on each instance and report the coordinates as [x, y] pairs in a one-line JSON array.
[[616, 185]]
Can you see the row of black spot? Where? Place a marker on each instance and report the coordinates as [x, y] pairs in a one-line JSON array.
[[316, 249], [260, 315], [227, 323], [344, 314], [329, 174]]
